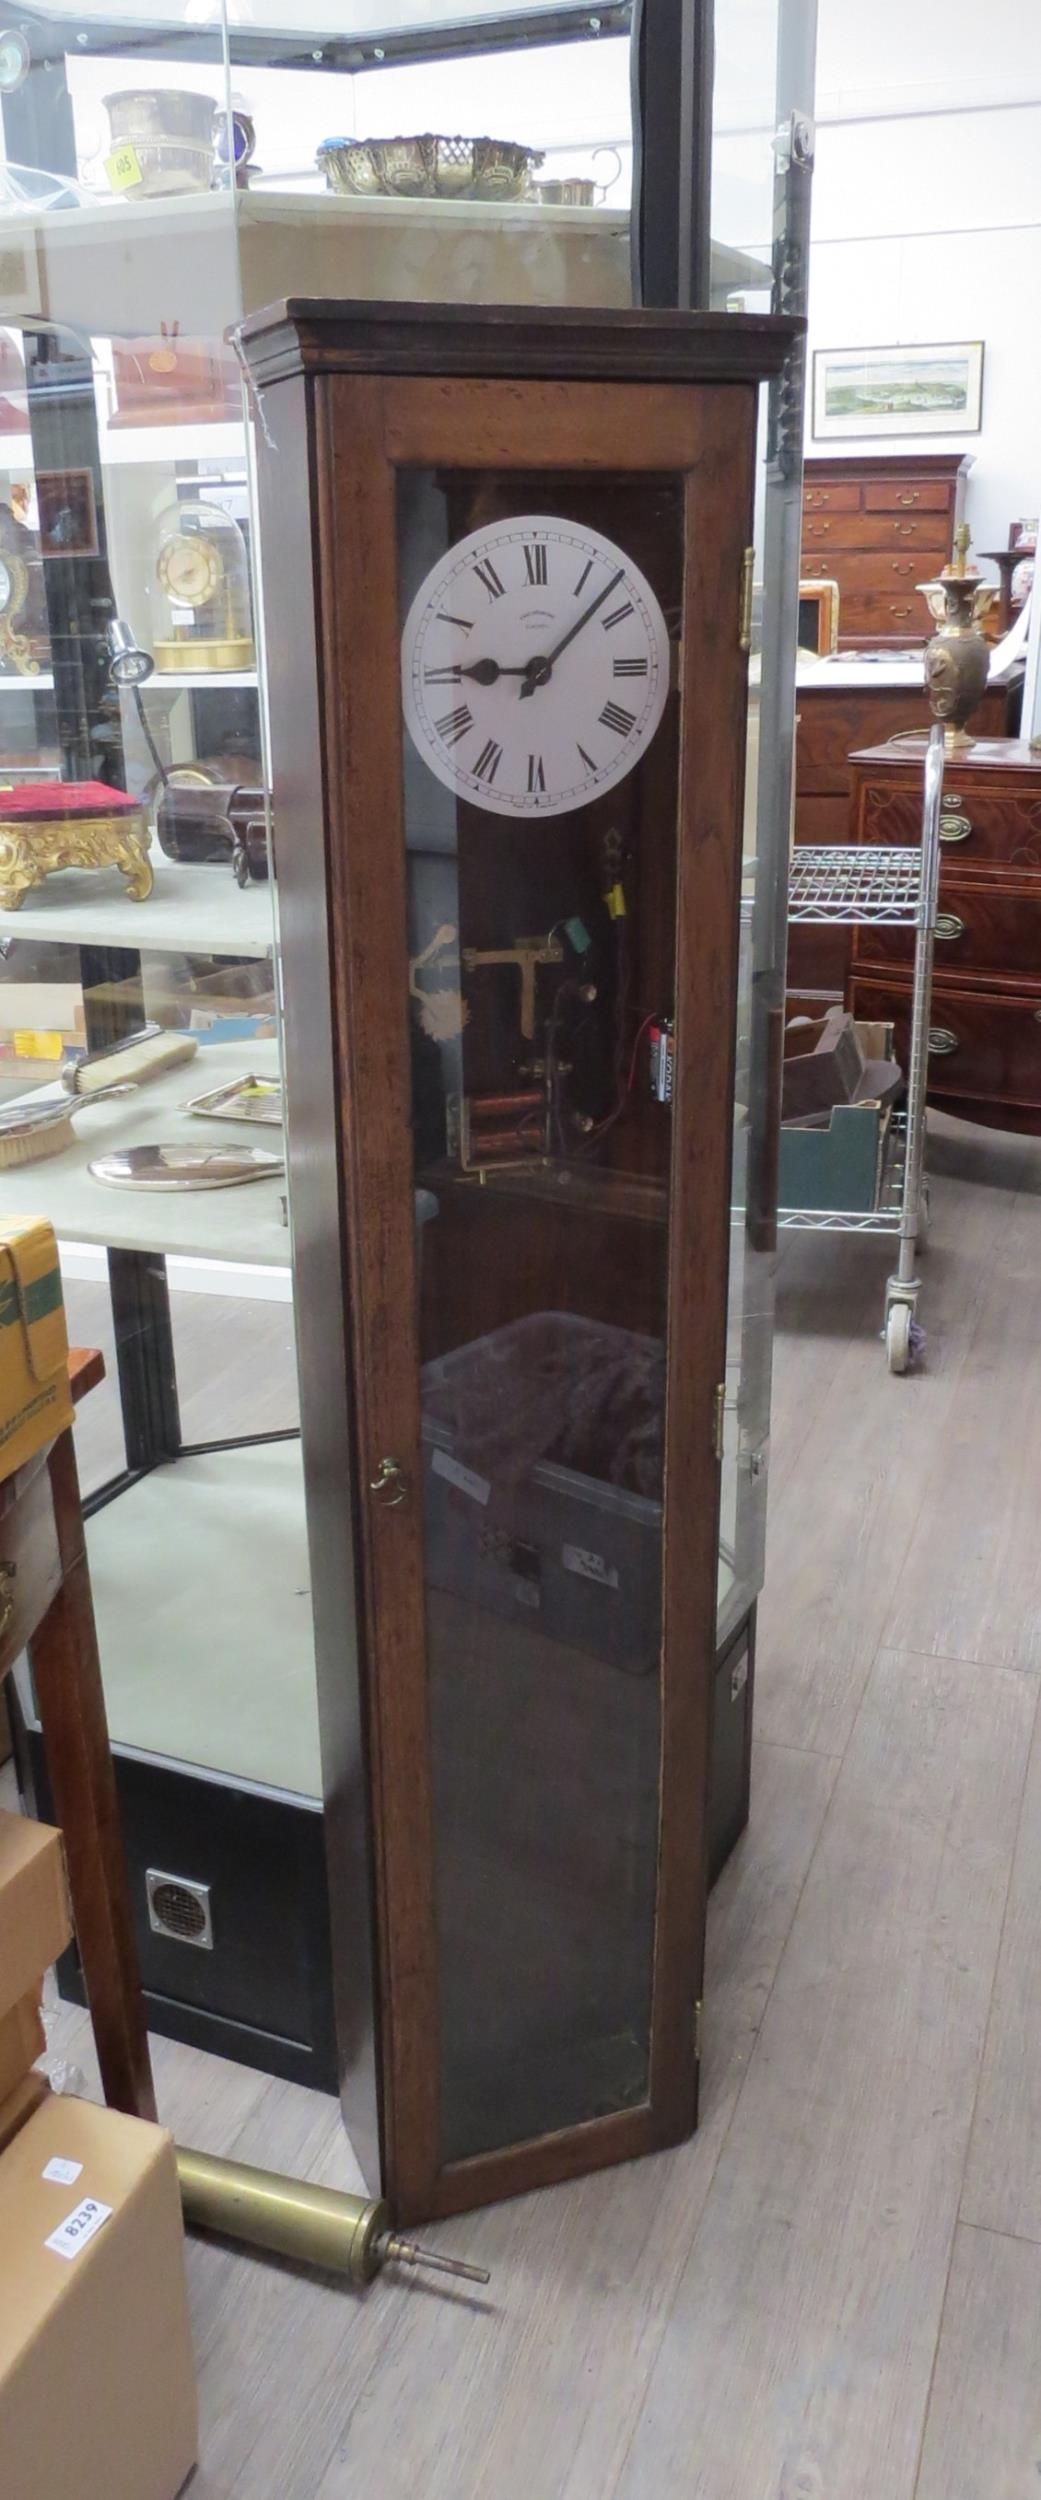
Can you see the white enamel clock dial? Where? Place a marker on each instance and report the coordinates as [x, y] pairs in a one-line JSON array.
[[534, 666]]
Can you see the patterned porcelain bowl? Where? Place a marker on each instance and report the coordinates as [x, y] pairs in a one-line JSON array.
[[429, 167]]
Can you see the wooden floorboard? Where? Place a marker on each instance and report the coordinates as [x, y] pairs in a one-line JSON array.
[[983, 2435], [972, 1586], [801, 2338], [1003, 2178], [842, 1523]]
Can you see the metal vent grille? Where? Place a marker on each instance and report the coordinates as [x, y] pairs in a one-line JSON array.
[[179, 1908]]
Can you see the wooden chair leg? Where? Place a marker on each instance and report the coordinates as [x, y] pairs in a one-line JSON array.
[[67, 1678]]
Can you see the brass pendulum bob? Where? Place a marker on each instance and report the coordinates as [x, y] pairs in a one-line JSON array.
[[324, 2227], [957, 660]]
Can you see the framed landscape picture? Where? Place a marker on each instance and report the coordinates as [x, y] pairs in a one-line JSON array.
[[936, 389]]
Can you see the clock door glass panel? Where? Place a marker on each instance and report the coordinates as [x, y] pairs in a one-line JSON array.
[[541, 984]]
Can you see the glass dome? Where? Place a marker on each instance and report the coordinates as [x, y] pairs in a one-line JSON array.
[[203, 573]]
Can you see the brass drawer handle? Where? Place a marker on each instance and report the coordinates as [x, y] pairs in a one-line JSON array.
[[903, 529], [7, 1572], [903, 564], [949, 927], [907, 498], [392, 1481], [895, 611], [955, 828], [941, 1041]]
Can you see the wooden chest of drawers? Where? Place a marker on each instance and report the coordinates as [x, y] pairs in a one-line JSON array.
[[878, 527], [832, 721], [985, 1026]]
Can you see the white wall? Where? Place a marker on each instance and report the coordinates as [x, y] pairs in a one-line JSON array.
[[927, 213]]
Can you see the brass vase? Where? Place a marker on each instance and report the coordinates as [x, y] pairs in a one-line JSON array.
[[957, 660]]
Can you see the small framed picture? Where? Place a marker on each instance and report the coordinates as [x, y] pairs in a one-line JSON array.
[[819, 617], [66, 512], [937, 389]]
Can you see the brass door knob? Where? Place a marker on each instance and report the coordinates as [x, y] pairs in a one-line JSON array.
[[390, 1483]]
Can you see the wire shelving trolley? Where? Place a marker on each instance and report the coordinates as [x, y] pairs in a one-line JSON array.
[[861, 883]]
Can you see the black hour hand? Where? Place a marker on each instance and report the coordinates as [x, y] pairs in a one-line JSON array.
[[486, 672]]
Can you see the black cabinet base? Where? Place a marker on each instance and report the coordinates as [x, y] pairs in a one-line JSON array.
[[262, 1992], [252, 1866]]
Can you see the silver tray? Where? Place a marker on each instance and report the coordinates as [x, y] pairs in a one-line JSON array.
[[185, 1167], [257, 1099]]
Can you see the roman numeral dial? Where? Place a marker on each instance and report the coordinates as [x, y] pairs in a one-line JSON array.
[[513, 655]]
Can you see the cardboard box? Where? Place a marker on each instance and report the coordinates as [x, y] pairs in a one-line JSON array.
[[20, 2104], [35, 1920], [97, 2384], [838, 1168], [22, 2039], [35, 1398]]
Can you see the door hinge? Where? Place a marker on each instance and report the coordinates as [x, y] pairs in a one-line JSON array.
[[697, 2032], [747, 570], [718, 1406]]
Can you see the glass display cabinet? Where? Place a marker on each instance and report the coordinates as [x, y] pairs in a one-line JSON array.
[[168, 169]]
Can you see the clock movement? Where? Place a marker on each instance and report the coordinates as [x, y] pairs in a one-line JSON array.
[[508, 748]]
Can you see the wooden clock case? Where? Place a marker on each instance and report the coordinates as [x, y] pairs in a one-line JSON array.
[[517, 1859]]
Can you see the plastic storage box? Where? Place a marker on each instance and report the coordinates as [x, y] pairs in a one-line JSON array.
[[511, 1528]]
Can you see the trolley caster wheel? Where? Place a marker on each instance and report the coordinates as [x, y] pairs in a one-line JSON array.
[[898, 1336]]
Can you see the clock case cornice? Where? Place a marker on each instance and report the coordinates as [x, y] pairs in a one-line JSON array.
[[551, 343]]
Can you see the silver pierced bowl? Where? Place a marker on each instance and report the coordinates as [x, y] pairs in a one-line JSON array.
[[429, 167]]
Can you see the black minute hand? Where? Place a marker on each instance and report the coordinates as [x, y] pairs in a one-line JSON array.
[[538, 672]]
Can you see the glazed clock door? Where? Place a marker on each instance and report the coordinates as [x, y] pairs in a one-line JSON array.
[[533, 690]]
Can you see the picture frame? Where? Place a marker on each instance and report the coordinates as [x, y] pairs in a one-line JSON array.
[[66, 512], [931, 388], [818, 630]]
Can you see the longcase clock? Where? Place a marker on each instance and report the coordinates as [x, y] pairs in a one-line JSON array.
[[504, 558]]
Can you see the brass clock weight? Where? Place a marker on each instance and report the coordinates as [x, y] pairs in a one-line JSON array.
[[957, 660], [342, 2233]]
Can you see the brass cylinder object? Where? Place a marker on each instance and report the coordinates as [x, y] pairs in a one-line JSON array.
[[325, 2227]]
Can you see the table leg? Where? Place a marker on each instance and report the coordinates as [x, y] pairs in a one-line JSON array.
[[71, 1702]]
